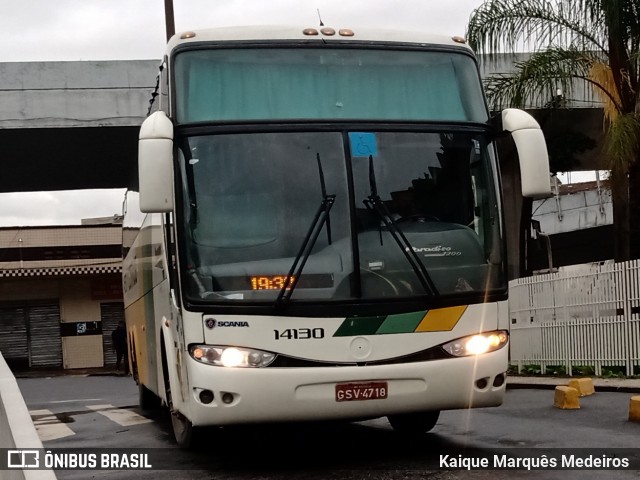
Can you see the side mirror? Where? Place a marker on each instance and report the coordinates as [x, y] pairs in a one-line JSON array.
[[155, 164], [532, 152]]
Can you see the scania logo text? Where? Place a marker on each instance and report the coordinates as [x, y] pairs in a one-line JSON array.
[[211, 323]]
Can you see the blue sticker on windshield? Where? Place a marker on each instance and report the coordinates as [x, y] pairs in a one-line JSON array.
[[363, 144]]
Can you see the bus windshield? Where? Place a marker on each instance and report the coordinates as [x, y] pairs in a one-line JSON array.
[[233, 84], [414, 214]]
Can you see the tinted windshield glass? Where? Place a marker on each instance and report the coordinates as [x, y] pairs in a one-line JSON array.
[[250, 201], [437, 193], [310, 83]]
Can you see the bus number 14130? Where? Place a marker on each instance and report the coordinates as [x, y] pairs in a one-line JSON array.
[[299, 334]]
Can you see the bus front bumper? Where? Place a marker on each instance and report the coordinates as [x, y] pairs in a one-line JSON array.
[[248, 395]]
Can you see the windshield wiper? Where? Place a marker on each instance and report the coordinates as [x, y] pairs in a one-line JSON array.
[[319, 220], [375, 204], [323, 189]]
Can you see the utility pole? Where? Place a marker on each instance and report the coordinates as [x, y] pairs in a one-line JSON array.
[[169, 20]]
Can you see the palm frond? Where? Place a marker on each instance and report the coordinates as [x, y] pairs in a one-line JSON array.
[[536, 80], [601, 74], [622, 140], [507, 25]]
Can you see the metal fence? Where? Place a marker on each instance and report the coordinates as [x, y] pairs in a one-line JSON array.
[[584, 317]]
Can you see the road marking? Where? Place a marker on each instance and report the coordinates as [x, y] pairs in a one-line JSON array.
[[121, 416], [48, 426], [77, 400]]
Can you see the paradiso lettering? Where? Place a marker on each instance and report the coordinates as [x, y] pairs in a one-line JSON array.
[[436, 251]]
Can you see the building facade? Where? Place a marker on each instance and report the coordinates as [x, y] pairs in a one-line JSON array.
[[60, 294], [574, 226]]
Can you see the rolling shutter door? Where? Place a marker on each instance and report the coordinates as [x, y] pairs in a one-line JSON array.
[[13, 336], [44, 335], [110, 314]]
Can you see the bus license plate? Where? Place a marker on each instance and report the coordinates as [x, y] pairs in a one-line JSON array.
[[348, 392]]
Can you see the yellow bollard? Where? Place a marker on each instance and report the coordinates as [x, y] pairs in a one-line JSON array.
[[584, 386], [634, 409], [566, 398]]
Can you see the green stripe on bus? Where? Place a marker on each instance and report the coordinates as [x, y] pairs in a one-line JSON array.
[[359, 326], [401, 323]]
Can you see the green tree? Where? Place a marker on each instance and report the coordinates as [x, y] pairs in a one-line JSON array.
[[590, 44]]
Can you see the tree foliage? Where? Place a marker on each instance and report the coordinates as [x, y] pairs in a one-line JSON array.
[[591, 45]]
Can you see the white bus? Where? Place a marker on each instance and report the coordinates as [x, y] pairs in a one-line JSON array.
[[317, 231]]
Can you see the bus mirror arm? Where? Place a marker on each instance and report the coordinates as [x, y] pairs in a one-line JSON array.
[[532, 152], [155, 164]]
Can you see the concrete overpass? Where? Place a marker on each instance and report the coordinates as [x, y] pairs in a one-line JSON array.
[[74, 125], [71, 125]]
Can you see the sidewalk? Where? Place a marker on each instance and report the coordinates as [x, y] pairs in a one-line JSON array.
[[631, 385]]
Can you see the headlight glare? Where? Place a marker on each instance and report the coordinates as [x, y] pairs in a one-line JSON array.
[[231, 357], [222, 356], [477, 344]]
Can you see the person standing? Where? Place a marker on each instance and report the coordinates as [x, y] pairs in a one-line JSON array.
[[119, 340]]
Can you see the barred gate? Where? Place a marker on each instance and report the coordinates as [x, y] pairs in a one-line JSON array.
[[586, 316]]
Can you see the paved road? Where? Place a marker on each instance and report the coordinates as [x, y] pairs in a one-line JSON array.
[[101, 412]]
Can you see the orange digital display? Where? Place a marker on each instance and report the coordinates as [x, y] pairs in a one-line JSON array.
[[270, 282]]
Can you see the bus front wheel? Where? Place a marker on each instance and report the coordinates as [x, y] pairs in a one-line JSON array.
[[183, 430], [414, 423]]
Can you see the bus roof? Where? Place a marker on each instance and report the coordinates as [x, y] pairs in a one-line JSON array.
[[310, 34]]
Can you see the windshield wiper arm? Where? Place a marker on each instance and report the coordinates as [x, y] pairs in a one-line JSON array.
[[319, 220], [375, 204], [321, 217], [323, 189]]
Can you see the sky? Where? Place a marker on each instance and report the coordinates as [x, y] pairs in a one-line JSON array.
[[62, 30], [134, 29]]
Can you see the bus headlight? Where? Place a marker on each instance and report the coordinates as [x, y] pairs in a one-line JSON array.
[[231, 356], [477, 344]]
